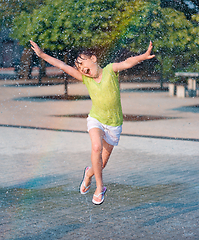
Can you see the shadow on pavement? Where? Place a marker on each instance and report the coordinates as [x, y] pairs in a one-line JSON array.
[[193, 109]]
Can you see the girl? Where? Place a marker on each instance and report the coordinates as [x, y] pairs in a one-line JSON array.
[[105, 118]]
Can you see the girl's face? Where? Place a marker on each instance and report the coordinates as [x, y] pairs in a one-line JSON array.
[[87, 65]]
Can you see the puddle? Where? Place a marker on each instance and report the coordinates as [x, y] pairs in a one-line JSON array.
[[136, 195], [56, 212], [26, 202]]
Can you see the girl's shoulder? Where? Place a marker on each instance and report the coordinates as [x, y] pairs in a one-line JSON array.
[[108, 67]]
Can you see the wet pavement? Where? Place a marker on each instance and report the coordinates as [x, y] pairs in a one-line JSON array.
[[152, 176]]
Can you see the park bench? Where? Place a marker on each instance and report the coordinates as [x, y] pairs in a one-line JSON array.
[[184, 89]]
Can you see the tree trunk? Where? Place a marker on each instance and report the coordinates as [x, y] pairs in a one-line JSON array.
[[66, 84], [161, 73], [65, 74], [26, 64], [42, 70]]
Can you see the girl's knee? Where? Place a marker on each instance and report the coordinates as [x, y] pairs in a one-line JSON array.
[[97, 147]]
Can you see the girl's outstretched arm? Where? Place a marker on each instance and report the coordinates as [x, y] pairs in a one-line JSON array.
[[56, 62], [132, 61]]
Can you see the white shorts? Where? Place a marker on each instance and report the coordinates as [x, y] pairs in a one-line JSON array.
[[111, 134]]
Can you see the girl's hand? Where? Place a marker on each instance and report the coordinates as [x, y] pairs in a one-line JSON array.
[[132, 61], [36, 48], [148, 52]]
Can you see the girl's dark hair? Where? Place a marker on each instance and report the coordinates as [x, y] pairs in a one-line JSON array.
[[86, 52]]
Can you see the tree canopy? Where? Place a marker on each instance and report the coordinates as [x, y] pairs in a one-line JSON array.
[[189, 7], [11, 9], [86, 23], [174, 37], [108, 24]]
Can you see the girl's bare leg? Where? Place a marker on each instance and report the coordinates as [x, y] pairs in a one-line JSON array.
[[96, 136], [106, 152], [101, 152]]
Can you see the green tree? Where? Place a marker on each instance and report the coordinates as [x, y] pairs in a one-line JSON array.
[[189, 8], [60, 26], [11, 9], [86, 23], [169, 30], [192, 55]]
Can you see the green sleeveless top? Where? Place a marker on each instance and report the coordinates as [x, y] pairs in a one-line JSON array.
[[105, 96]]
